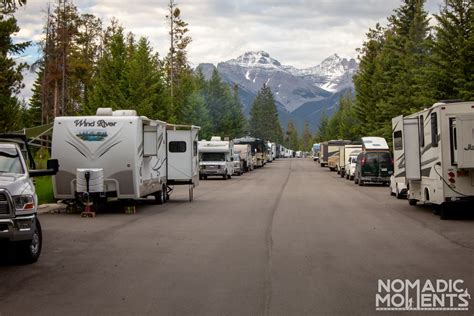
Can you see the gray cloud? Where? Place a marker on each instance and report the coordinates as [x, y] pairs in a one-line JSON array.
[[296, 32]]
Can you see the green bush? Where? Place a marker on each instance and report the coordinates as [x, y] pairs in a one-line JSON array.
[[44, 190]]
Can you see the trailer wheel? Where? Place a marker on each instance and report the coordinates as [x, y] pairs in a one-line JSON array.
[[361, 182], [191, 192], [30, 250], [412, 202], [341, 173], [159, 197], [225, 177]]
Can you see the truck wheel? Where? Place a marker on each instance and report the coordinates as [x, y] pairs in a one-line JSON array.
[[30, 250], [412, 202], [229, 176], [225, 177], [361, 182], [341, 173]]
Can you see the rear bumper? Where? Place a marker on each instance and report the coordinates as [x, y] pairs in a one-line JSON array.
[[218, 172], [375, 179], [17, 228]]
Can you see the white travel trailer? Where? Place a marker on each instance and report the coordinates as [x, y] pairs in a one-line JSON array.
[[434, 155], [112, 154], [183, 158], [215, 158], [344, 153], [245, 153]]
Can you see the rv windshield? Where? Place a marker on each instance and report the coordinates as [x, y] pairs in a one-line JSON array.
[[10, 161], [213, 157]]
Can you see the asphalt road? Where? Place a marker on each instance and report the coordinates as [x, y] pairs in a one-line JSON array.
[[289, 239]]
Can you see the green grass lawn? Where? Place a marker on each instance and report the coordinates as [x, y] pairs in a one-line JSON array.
[[44, 190]]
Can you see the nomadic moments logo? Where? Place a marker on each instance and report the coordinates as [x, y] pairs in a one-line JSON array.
[[418, 295]]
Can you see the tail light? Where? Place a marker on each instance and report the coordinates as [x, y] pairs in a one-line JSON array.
[[362, 161]]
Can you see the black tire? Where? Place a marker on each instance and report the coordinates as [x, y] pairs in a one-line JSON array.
[[341, 173], [444, 212], [30, 250], [356, 180], [159, 197], [229, 176], [361, 183], [224, 177], [412, 202], [200, 177], [205, 177]]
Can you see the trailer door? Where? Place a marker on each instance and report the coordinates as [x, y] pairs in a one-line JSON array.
[[465, 140], [411, 144]]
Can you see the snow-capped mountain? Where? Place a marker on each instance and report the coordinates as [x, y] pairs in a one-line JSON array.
[[332, 74], [305, 90]]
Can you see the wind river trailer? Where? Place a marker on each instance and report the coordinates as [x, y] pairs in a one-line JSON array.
[[112, 154], [183, 157], [434, 152], [215, 158]]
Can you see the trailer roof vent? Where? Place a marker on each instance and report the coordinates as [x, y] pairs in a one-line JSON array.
[[216, 139], [125, 113], [104, 112]]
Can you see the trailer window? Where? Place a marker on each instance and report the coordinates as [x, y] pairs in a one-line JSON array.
[[398, 140], [177, 147], [434, 130], [453, 146], [421, 131], [195, 148]]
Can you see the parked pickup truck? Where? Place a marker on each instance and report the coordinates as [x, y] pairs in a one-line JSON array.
[[19, 224]]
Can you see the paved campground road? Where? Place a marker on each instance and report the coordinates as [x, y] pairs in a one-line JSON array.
[[289, 239]]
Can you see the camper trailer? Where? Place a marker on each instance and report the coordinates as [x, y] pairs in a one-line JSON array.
[[112, 154], [245, 152], [216, 158], [344, 153], [333, 148], [434, 153], [259, 149], [183, 158]]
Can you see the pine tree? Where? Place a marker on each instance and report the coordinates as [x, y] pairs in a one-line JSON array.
[[452, 72], [291, 139], [264, 122], [11, 72]]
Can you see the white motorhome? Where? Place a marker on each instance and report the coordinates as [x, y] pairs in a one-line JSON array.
[[112, 154], [269, 152], [245, 152], [183, 158], [434, 153], [215, 158], [344, 153]]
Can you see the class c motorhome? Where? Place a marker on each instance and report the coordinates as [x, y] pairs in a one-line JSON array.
[[434, 155], [344, 154], [112, 154], [216, 158], [245, 153]]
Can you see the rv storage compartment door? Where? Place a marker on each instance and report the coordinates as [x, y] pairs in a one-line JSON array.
[[411, 143], [465, 138], [150, 143], [96, 180]]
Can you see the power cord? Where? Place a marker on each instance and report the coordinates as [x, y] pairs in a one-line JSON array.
[[446, 182]]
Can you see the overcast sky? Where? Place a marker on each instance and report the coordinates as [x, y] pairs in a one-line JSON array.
[[300, 33]]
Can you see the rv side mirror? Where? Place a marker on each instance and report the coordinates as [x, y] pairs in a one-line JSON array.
[[52, 168]]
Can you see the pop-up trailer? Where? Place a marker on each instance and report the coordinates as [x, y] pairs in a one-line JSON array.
[[434, 155], [183, 156]]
